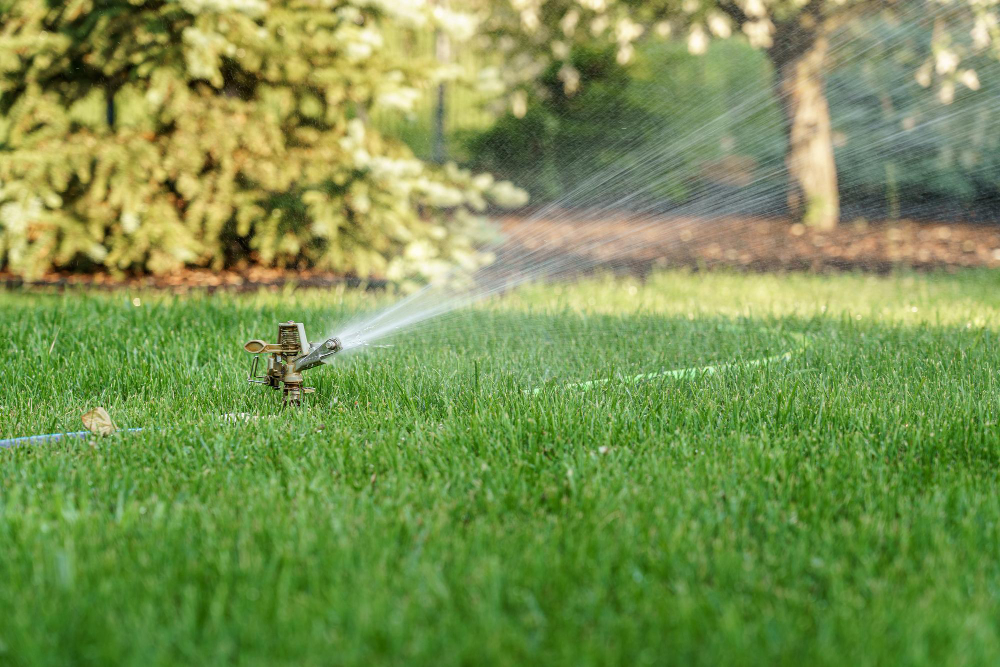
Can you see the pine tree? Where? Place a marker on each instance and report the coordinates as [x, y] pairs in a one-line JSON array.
[[149, 135]]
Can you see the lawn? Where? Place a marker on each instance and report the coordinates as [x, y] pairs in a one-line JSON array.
[[427, 507]]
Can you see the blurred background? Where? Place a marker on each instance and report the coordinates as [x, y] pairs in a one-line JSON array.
[[379, 138]]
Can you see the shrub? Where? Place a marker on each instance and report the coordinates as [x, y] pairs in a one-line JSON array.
[[146, 136]]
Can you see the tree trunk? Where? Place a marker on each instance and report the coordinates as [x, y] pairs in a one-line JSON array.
[[442, 51], [812, 196]]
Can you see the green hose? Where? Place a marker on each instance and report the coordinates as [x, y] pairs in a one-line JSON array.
[[696, 372]]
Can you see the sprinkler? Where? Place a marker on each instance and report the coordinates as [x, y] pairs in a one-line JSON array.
[[287, 358]]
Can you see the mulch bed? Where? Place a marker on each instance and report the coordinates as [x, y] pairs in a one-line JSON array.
[[627, 244], [639, 245], [251, 279]]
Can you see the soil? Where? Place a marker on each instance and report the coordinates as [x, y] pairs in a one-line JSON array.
[[767, 244], [626, 244], [247, 280]]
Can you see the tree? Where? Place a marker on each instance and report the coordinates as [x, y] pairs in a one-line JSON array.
[[152, 134], [796, 37]]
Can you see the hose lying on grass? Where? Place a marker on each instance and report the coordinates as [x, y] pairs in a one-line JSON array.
[[53, 437]]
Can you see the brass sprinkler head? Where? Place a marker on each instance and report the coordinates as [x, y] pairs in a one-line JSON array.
[[287, 358]]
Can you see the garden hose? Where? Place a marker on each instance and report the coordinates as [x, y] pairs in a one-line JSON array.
[[694, 372]]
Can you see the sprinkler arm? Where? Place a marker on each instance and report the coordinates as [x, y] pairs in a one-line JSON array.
[[318, 353]]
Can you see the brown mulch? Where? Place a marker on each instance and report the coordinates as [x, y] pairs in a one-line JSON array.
[[248, 280], [638, 245]]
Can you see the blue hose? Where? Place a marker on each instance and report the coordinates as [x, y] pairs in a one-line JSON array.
[[51, 437]]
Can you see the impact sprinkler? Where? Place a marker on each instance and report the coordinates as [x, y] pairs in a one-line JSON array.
[[287, 358]]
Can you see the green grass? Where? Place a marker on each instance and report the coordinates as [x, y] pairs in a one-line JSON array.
[[840, 508]]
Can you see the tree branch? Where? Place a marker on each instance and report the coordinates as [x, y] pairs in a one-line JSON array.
[[734, 12]]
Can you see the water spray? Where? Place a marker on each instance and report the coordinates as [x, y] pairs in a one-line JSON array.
[[629, 189], [287, 358]]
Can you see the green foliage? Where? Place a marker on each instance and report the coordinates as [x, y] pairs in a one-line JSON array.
[[149, 136], [471, 88], [546, 36], [658, 106], [901, 151], [544, 148]]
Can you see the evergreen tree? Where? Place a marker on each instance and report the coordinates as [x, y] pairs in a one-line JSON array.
[[148, 135]]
